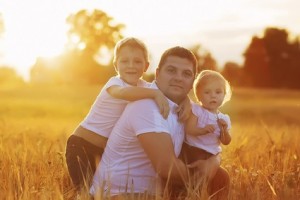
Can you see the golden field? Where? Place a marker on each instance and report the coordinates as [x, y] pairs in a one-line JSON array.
[[262, 159]]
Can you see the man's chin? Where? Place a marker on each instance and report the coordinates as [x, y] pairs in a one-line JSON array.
[[176, 96]]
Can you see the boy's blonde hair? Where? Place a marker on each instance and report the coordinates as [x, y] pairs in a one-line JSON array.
[[132, 42], [206, 75]]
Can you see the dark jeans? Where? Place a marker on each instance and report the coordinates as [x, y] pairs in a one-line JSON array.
[[81, 158], [219, 185]]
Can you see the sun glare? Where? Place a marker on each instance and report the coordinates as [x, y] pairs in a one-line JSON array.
[[30, 34]]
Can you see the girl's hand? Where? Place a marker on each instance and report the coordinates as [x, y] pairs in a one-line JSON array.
[[225, 137], [162, 103], [222, 124], [209, 128]]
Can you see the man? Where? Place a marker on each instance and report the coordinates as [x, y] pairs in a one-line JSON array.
[[143, 148]]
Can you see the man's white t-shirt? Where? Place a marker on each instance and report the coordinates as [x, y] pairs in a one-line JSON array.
[[125, 167], [209, 142], [106, 109]]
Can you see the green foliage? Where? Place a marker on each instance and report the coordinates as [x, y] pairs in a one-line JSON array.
[[273, 60], [233, 73], [89, 33], [204, 58]]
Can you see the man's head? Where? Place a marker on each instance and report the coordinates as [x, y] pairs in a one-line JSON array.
[[176, 72]]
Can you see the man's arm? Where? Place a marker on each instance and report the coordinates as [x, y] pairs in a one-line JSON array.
[[137, 93], [160, 151]]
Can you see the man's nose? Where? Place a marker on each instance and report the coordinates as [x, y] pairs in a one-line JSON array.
[[178, 76]]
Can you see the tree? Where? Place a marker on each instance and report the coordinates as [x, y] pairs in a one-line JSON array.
[[256, 64], [277, 47], [273, 60], [233, 73], [204, 57], [89, 34], [92, 31]]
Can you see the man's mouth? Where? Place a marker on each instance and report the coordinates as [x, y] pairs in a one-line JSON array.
[[177, 86]]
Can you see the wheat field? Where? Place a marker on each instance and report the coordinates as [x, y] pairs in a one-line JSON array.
[[35, 122]]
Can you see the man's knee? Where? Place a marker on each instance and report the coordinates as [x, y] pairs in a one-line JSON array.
[[222, 176], [220, 184]]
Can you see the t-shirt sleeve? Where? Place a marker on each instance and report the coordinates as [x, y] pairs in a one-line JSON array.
[[143, 83], [147, 117], [196, 109], [113, 81]]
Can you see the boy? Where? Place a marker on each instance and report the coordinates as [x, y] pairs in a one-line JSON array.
[[88, 141]]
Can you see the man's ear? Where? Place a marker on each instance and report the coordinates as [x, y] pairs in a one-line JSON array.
[[146, 66], [156, 72]]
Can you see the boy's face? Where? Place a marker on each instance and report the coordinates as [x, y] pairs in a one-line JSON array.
[[175, 78], [131, 64]]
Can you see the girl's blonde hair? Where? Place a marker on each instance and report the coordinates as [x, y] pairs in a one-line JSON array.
[[131, 42], [206, 75]]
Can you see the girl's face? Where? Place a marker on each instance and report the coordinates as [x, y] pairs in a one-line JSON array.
[[131, 64], [211, 94]]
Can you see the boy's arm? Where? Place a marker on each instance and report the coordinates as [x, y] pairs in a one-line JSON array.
[[191, 128], [137, 93], [184, 109]]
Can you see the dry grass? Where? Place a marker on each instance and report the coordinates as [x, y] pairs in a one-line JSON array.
[[263, 158]]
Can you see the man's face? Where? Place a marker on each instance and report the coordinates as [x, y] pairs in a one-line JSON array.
[[175, 78]]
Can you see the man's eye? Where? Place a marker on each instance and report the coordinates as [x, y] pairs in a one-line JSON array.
[[171, 70], [187, 74]]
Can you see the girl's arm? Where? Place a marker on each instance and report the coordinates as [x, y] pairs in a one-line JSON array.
[[191, 127], [137, 93], [225, 137]]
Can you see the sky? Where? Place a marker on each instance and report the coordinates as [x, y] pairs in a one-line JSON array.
[[223, 27]]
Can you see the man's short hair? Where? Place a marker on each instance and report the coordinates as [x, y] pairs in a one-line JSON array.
[[180, 52]]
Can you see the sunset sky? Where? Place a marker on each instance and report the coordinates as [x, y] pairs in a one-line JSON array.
[[224, 27]]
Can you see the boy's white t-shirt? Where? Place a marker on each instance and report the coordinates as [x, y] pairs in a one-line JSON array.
[[106, 109], [209, 142], [125, 167]]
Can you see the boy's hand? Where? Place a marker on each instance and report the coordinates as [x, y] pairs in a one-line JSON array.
[[184, 110], [162, 103]]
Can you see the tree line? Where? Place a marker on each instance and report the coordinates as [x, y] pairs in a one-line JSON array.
[[272, 60]]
